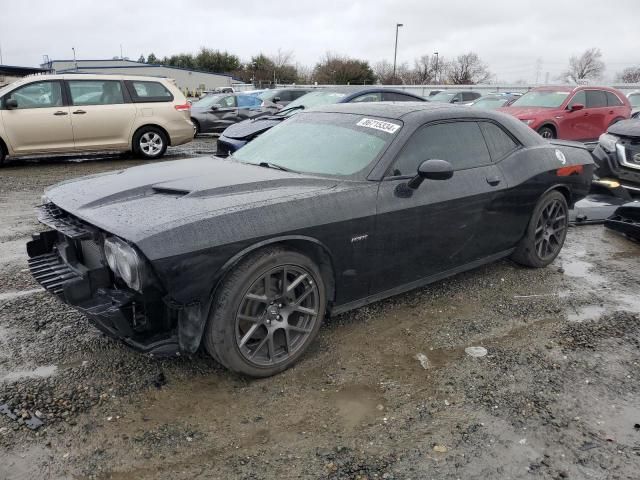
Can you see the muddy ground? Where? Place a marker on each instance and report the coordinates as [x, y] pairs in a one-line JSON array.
[[557, 395]]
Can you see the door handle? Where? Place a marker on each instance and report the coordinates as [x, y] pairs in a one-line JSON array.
[[60, 112], [79, 112], [493, 181]]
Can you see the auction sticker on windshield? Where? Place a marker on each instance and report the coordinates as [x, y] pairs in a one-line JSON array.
[[378, 125]]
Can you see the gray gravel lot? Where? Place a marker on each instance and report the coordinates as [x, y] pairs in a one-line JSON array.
[[557, 395]]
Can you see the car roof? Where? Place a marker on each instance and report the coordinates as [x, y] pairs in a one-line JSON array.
[[392, 110], [91, 76]]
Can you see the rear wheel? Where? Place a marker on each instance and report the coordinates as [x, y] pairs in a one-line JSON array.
[[196, 124], [266, 313], [545, 233], [150, 143], [3, 154], [547, 132]]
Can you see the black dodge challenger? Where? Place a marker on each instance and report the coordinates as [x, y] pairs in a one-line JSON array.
[[333, 209]]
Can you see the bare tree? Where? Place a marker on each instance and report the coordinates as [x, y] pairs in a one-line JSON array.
[[629, 75], [383, 71], [467, 69], [425, 69], [587, 66]]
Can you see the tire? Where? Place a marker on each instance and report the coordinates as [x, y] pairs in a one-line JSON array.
[[258, 332], [547, 132], [150, 143], [197, 125], [548, 226], [3, 155]]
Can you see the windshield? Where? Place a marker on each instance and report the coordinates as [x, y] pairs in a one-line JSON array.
[[541, 98], [268, 95], [208, 101], [313, 99], [634, 98], [322, 143], [6, 87], [490, 102], [442, 97]]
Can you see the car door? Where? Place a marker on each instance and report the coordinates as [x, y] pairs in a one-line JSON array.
[[616, 108], [597, 113], [436, 227], [41, 121], [100, 116], [249, 107], [575, 124], [226, 114]]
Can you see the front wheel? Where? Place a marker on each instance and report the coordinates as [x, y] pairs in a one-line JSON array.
[[545, 233], [266, 313], [547, 132], [150, 143]]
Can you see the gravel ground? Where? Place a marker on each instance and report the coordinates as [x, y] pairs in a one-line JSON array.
[[386, 392]]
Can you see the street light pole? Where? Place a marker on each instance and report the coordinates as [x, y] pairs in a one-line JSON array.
[[75, 63], [436, 54], [395, 52]]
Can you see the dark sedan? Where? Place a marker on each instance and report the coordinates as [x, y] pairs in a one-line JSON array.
[[214, 113], [618, 154], [454, 96], [238, 135], [496, 100], [331, 210], [283, 96]]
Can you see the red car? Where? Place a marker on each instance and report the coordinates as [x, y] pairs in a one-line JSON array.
[[572, 113]]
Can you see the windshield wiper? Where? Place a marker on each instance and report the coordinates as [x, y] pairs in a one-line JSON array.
[[276, 166], [290, 109]]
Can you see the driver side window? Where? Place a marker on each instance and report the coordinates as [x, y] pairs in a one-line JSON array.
[[459, 143], [37, 95], [578, 98], [227, 102]]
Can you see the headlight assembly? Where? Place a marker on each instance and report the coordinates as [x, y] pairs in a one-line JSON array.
[[125, 262], [608, 142]]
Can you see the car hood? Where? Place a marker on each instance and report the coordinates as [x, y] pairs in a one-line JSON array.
[[139, 202], [250, 128], [526, 112], [626, 128]]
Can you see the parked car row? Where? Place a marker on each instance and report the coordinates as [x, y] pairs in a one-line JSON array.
[[84, 113]]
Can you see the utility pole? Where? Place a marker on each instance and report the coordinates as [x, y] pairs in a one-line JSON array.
[[121, 56], [437, 58], [75, 63], [395, 52], [538, 70]]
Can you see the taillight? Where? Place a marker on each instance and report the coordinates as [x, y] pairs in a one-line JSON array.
[[183, 108]]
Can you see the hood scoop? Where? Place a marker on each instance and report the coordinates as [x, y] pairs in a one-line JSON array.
[[173, 192]]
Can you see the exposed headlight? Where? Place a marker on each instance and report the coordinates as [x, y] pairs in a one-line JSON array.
[[125, 262], [608, 142], [44, 199], [526, 122]]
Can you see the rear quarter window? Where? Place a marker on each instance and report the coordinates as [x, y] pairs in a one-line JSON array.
[[148, 91], [613, 100], [499, 142]]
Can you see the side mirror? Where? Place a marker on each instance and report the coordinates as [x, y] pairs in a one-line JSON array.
[[11, 104], [431, 170], [215, 107], [576, 106], [276, 99], [455, 100]]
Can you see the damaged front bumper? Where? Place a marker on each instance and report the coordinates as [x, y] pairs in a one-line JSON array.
[[69, 263], [626, 220]]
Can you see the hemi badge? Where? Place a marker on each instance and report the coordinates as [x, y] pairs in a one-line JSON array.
[[359, 238]]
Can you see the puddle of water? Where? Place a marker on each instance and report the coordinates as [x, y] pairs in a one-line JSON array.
[[581, 269], [11, 295], [588, 312], [38, 372]]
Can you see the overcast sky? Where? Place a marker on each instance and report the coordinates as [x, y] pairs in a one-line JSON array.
[[509, 36]]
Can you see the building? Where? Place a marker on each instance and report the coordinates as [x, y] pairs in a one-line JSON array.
[[189, 81], [9, 73]]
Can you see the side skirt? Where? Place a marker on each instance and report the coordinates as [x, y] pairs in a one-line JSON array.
[[418, 283]]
